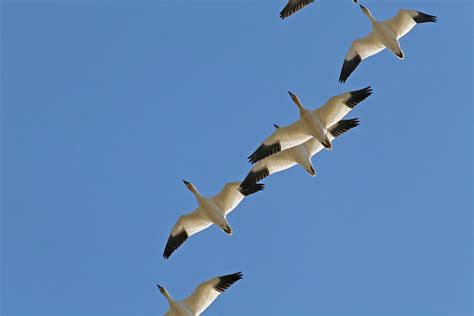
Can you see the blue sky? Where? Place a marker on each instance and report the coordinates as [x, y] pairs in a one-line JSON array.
[[106, 106]]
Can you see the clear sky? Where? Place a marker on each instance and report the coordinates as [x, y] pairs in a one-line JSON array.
[[107, 105]]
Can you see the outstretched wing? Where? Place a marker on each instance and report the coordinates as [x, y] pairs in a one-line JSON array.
[[208, 291], [292, 6], [232, 194], [337, 107], [281, 139], [361, 49], [186, 226], [405, 20]]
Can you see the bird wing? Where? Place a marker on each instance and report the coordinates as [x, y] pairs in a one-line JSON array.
[[232, 194], [405, 20], [338, 106], [186, 226], [313, 146], [281, 139], [360, 49], [270, 165], [208, 291], [292, 6]]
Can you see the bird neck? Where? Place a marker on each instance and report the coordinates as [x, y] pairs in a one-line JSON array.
[[193, 189], [168, 297], [370, 16], [301, 108]]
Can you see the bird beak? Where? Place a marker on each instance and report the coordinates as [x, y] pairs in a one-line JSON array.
[[276, 126], [361, 6], [186, 182], [159, 286], [291, 94], [228, 230]]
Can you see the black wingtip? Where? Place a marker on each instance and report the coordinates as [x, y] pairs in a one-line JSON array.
[[348, 67], [253, 177], [343, 126], [251, 188], [423, 18], [291, 8], [358, 96], [173, 243], [226, 281], [264, 151]]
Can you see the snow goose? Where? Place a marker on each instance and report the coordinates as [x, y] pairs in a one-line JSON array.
[[300, 154], [295, 5], [312, 123], [202, 297], [384, 34], [210, 211]]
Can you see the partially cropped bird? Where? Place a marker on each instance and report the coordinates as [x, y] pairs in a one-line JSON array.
[[312, 123], [295, 5], [213, 210], [300, 154], [384, 34], [201, 298]]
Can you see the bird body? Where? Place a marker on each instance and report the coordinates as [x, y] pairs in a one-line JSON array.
[[315, 128], [386, 36]]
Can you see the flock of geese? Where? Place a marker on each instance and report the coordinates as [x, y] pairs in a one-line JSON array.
[[290, 145]]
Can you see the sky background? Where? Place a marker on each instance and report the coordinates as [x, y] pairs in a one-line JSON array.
[[108, 105]]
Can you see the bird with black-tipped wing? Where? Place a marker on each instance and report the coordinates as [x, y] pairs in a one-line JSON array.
[[213, 210], [312, 123], [297, 155], [201, 298], [384, 34]]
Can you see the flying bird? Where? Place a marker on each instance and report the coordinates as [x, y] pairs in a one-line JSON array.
[[213, 210], [295, 5], [384, 34], [312, 123], [201, 298], [300, 154]]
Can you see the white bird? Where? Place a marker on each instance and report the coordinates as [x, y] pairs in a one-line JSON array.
[[312, 123], [384, 34], [295, 5], [202, 297], [300, 154], [213, 210]]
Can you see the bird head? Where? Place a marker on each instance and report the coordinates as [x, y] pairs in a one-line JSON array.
[[162, 289], [189, 185]]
